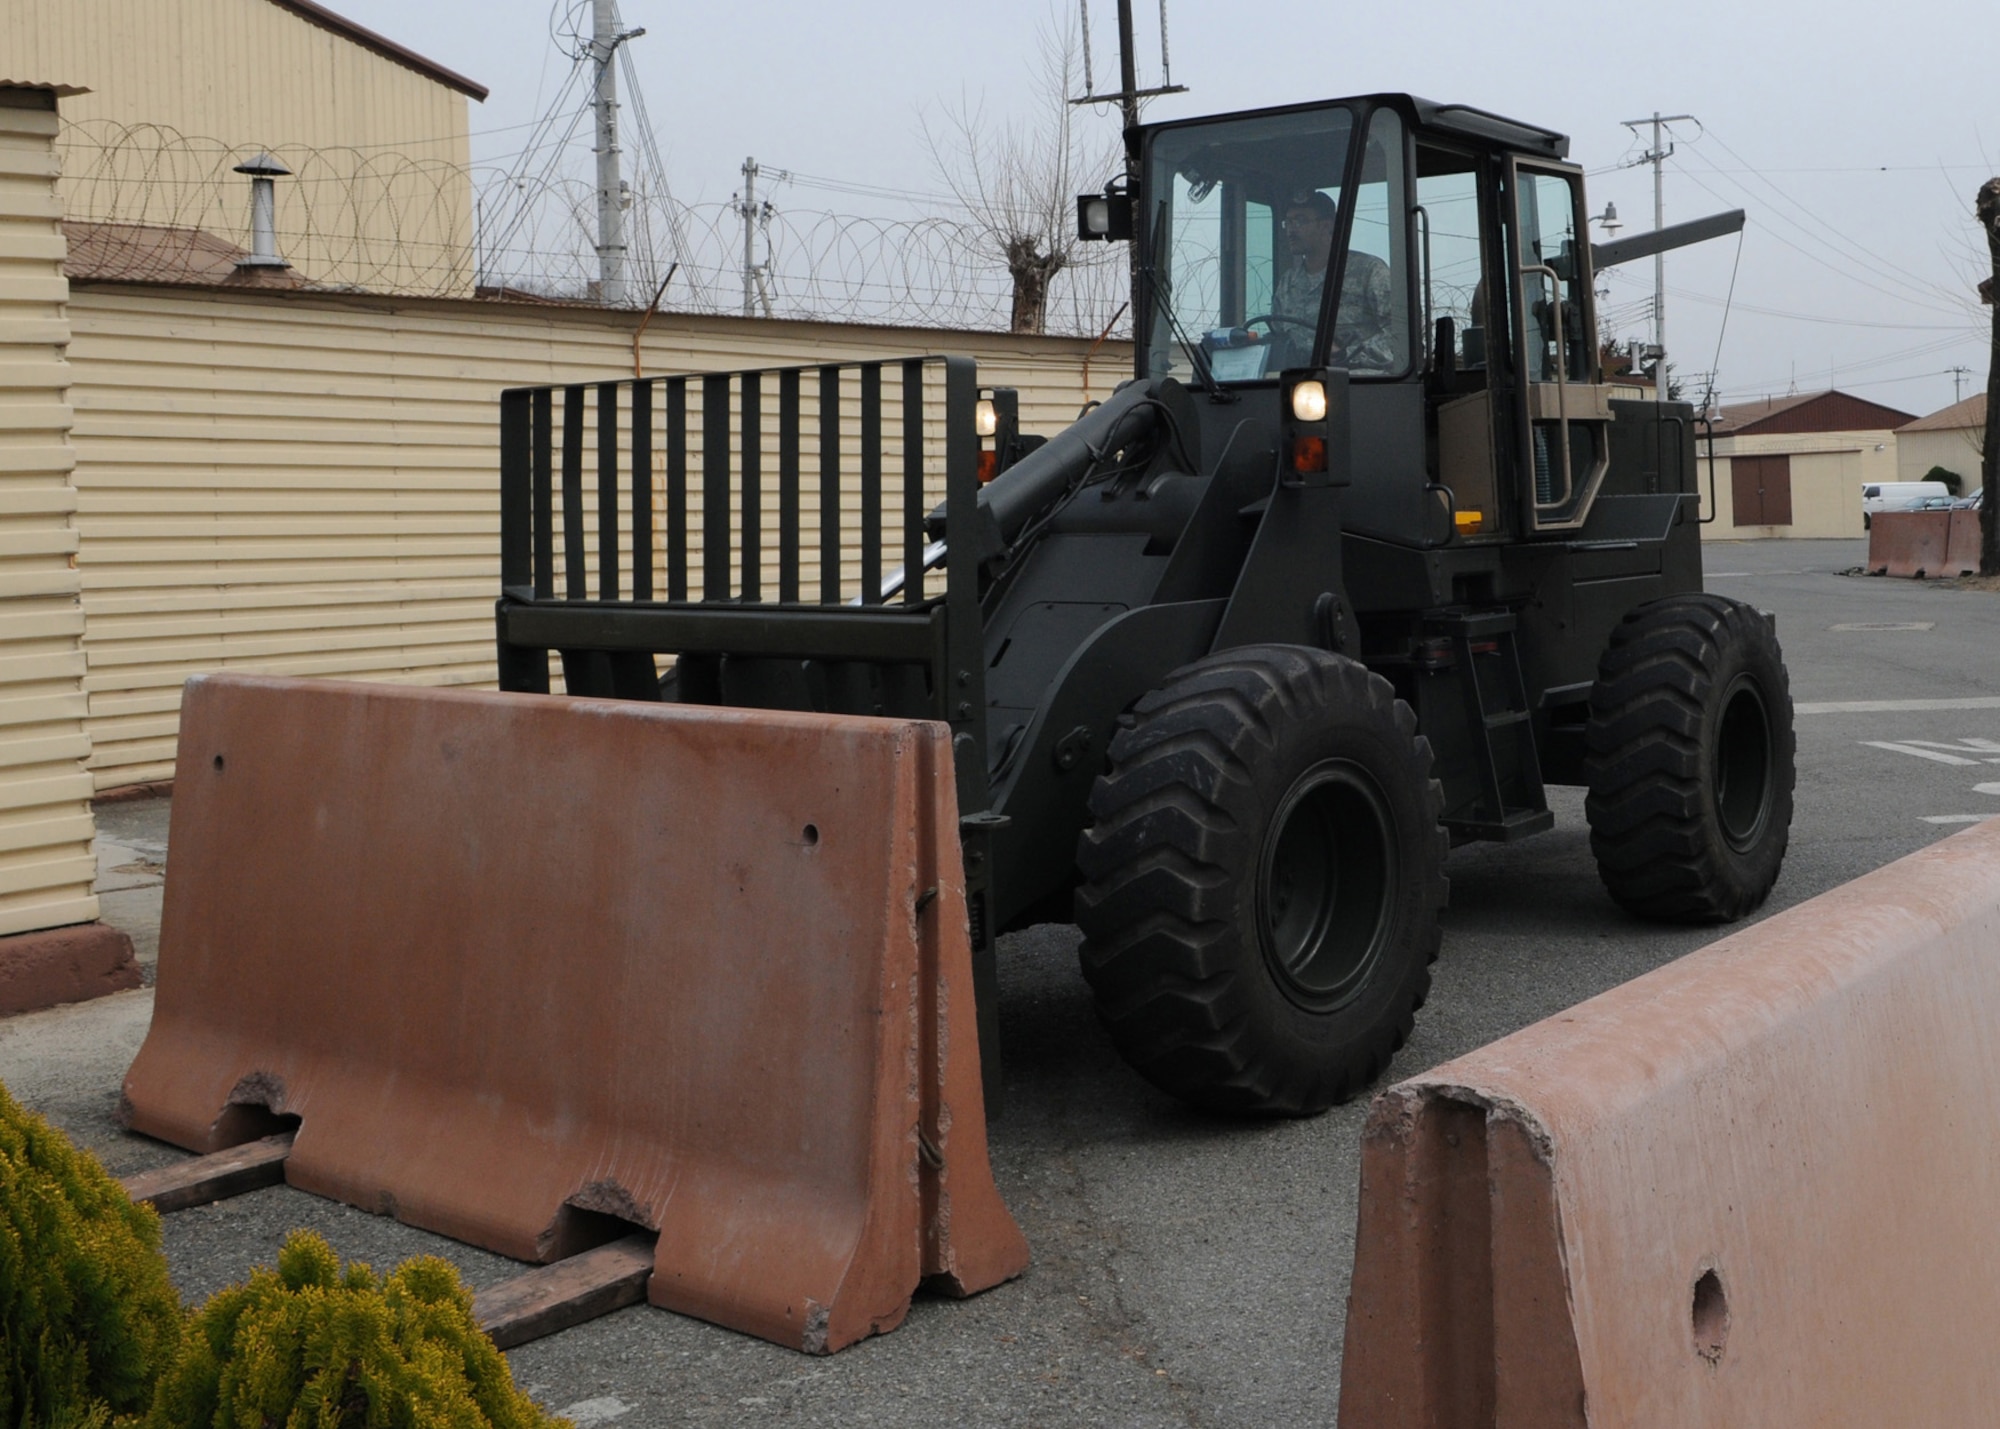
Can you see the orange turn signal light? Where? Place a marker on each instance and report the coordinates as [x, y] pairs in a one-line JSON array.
[[1309, 454], [989, 465]]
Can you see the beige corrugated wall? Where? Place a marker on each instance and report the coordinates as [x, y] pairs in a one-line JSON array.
[[1828, 470], [309, 484], [380, 195], [45, 823]]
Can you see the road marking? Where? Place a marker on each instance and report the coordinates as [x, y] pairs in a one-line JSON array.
[[1886, 625], [1971, 702], [1993, 789], [1958, 818], [1724, 575], [1938, 755], [596, 1411]]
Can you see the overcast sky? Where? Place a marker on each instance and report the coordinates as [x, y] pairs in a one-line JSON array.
[[1854, 135]]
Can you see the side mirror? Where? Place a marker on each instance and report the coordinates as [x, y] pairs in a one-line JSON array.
[[1104, 216]]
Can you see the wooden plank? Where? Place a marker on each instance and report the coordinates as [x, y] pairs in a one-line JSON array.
[[555, 1297], [216, 1177]]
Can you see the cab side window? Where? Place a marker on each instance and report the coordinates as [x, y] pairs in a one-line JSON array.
[[1462, 325], [1553, 296]]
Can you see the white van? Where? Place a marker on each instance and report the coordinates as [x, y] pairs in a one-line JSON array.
[[1898, 496]]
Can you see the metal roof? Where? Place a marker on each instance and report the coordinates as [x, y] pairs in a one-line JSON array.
[[326, 19], [1800, 412], [153, 253], [1969, 413], [60, 91]]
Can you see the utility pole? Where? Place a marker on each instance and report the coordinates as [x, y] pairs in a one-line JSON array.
[[1657, 157], [1986, 208], [753, 213], [1128, 97], [1958, 376], [1128, 77], [605, 39], [748, 210]]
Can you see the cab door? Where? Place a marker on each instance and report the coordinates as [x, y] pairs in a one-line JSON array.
[[1564, 411]]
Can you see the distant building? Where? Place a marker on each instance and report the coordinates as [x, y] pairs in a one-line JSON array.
[[1795, 466], [1951, 438], [179, 92]]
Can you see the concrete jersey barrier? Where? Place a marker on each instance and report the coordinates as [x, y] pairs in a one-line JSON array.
[[521, 963], [1755, 1187], [1921, 544]]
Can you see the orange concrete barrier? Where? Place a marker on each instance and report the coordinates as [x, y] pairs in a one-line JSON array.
[[1961, 554], [522, 963], [1911, 543], [1754, 1187]]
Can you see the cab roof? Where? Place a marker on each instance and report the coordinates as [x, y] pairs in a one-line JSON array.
[[1459, 120]]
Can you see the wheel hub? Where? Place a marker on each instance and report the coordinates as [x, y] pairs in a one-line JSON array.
[[1742, 775], [1325, 886]]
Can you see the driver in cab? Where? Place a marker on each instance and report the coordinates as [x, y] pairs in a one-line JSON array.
[[1361, 327]]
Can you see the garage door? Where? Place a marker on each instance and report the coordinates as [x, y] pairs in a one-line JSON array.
[[1762, 490]]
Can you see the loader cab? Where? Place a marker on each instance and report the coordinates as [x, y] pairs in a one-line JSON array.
[[1435, 252]]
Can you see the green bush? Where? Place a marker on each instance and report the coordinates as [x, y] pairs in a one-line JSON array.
[[88, 1318], [1951, 479], [92, 1335], [311, 1346]]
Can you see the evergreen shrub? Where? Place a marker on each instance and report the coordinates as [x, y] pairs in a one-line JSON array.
[[314, 1346], [92, 1335], [88, 1318]]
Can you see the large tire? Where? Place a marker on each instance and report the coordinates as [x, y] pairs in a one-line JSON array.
[[1262, 880], [1690, 760]]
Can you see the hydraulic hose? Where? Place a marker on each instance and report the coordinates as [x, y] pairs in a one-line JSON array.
[[1013, 499], [1020, 493]]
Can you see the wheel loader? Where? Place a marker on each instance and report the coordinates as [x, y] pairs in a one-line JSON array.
[[1363, 557]]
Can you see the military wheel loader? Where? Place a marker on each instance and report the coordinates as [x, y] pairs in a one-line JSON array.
[[1363, 557]]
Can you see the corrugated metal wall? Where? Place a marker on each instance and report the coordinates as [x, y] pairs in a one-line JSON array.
[[45, 824], [309, 485], [351, 124]]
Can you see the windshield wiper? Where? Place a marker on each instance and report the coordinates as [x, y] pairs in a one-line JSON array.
[[1163, 296]]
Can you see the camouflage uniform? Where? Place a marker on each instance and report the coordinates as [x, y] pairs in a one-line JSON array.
[[1363, 328]]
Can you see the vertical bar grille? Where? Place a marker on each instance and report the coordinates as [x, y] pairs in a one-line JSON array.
[[829, 486], [788, 485], [677, 488], [852, 463], [574, 560], [642, 489], [607, 490], [545, 500]]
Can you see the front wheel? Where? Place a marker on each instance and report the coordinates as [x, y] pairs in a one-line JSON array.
[[1262, 879], [1689, 758]]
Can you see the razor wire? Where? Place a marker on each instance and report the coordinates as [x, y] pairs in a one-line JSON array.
[[164, 206]]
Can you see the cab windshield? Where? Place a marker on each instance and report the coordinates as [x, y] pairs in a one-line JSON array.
[[1246, 217]]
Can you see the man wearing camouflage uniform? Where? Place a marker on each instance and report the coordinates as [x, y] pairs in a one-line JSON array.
[[1362, 327]]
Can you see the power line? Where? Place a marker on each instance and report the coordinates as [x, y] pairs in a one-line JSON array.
[[1919, 283], [1836, 269], [1689, 294], [1823, 231]]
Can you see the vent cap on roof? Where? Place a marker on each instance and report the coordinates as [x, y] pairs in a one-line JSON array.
[[263, 171]]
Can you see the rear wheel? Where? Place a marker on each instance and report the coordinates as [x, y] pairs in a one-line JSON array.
[[1262, 881], [1690, 760]]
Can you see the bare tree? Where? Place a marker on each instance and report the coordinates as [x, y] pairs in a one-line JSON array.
[[1018, 181], [1987, 209]]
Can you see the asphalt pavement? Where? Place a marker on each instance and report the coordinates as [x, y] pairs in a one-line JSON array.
[[1187, 1271]]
